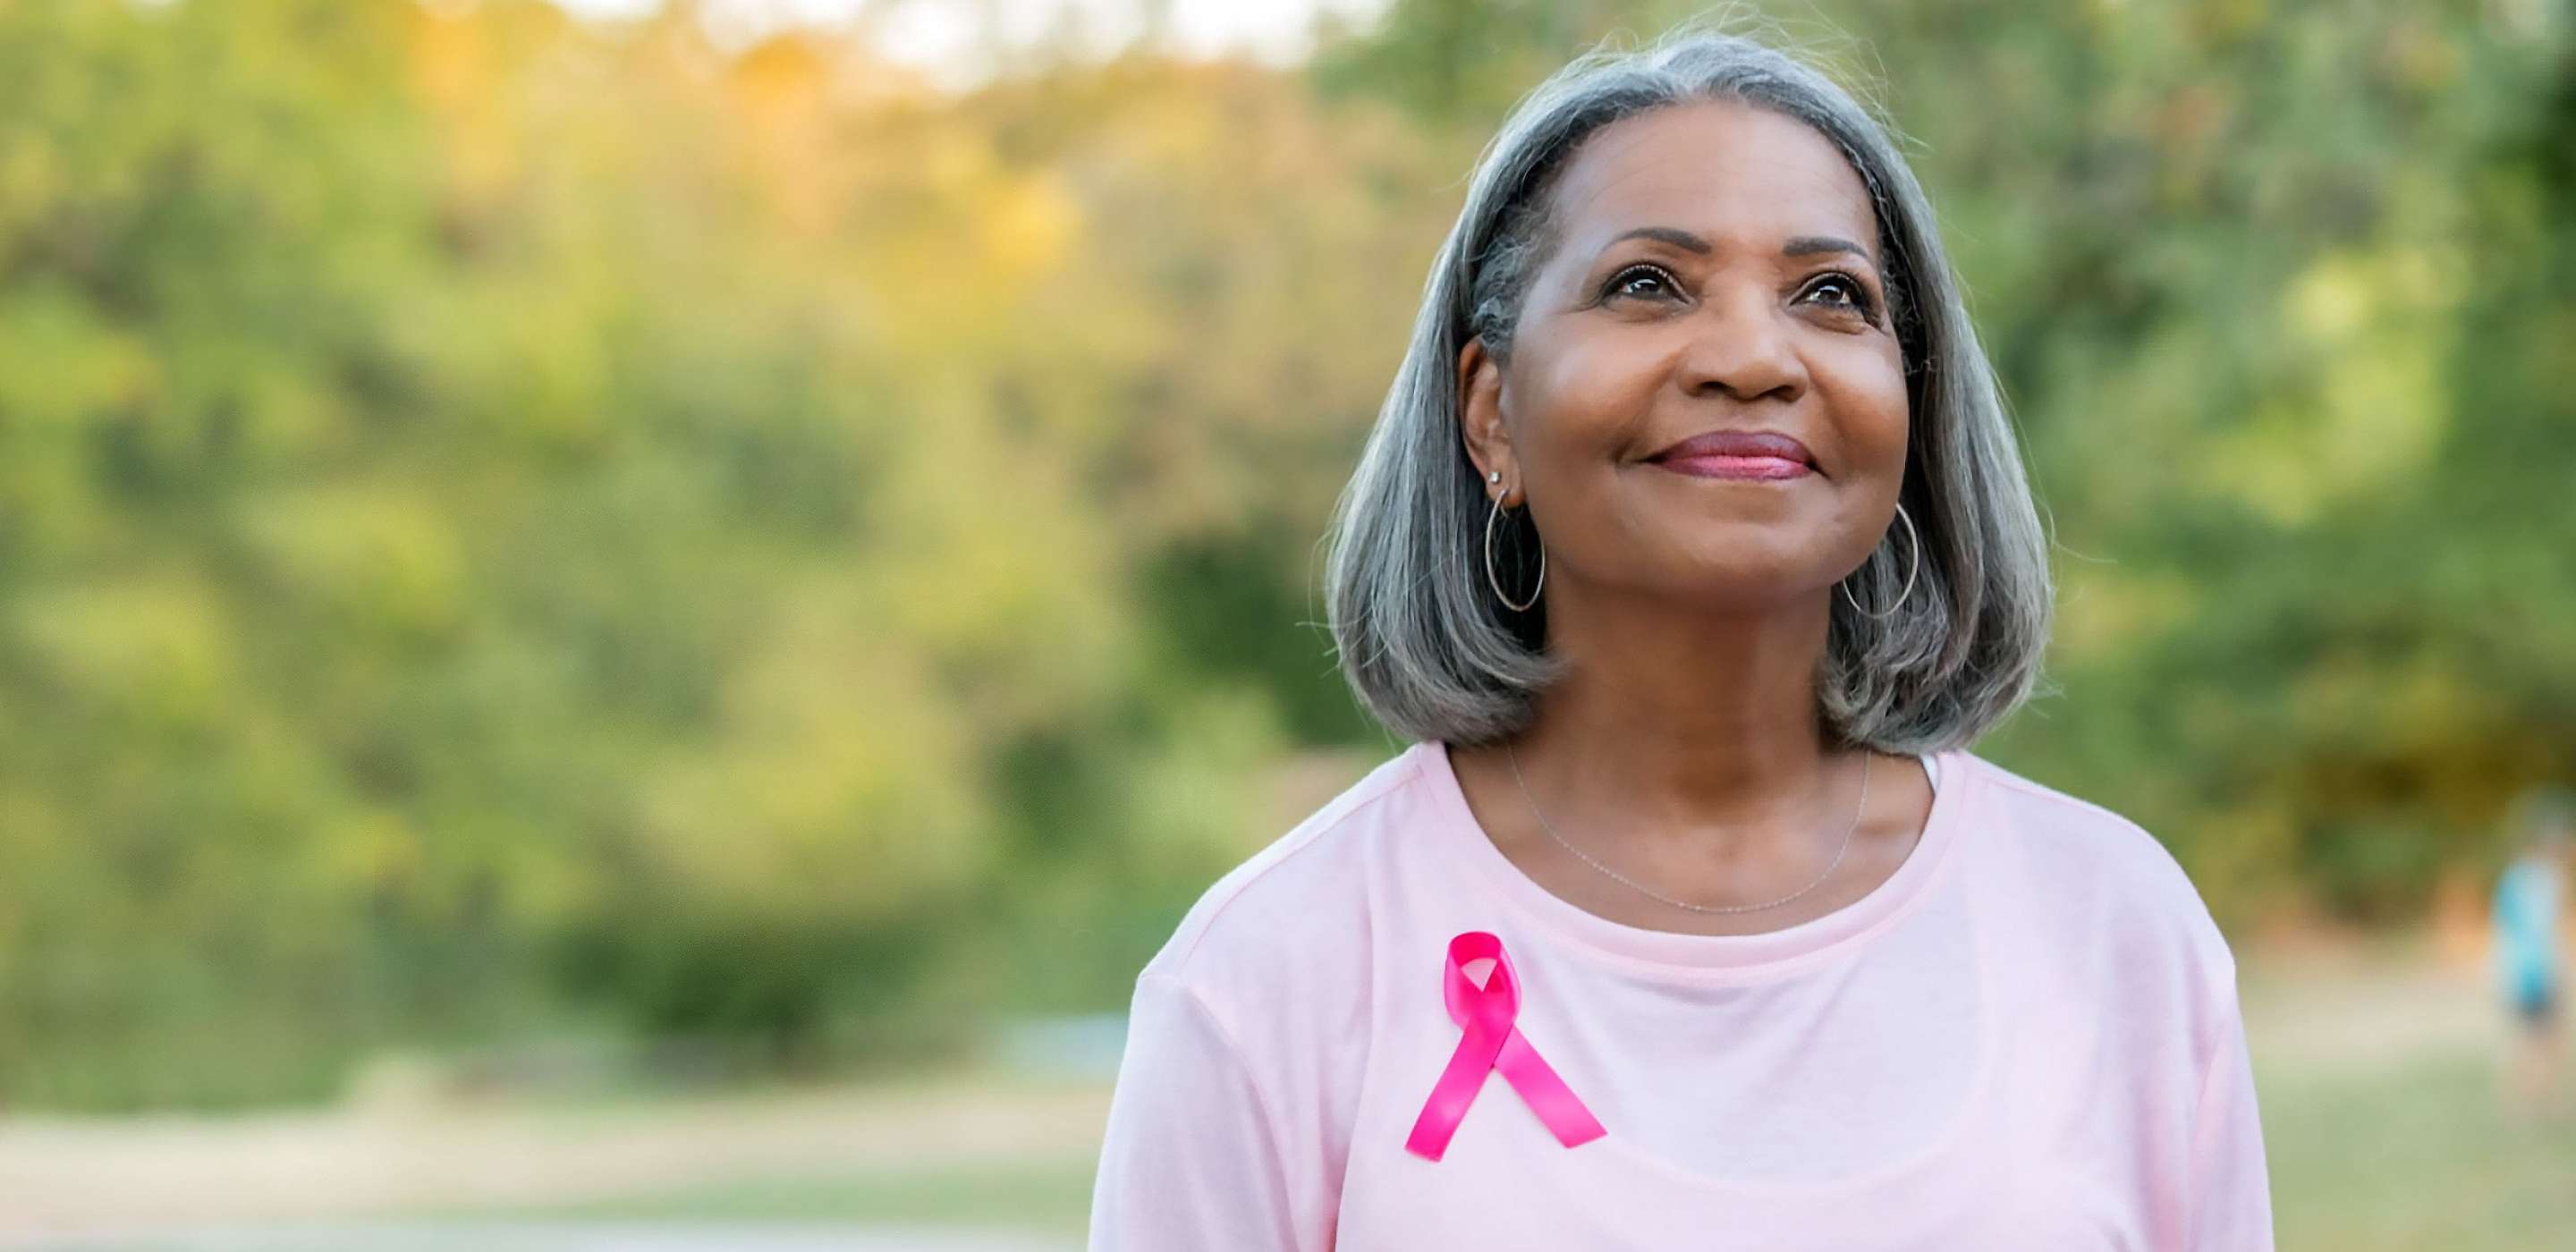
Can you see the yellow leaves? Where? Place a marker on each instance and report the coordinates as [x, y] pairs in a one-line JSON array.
[[972, 235], [1028, 226], [449, 58], [156, 651], [958, 238], [781, 83], [457, 72], [779, 92]]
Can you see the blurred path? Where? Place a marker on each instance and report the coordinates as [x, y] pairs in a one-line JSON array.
[[550, 1237], [63, 1177], [2339, 1012]]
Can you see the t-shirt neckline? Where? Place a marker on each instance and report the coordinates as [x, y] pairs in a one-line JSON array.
[[1812, 940]]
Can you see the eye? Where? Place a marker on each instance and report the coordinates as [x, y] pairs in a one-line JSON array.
[[1619, 284], [1855, 296]]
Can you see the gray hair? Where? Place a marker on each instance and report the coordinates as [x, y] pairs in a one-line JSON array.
[[1420, 637]]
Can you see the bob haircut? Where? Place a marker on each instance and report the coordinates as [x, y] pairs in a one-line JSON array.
[[1433, 655]]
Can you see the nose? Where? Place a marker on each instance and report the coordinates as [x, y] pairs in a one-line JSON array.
[[1740, 347]]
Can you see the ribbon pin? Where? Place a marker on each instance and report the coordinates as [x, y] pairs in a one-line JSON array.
[[1491, 1042]]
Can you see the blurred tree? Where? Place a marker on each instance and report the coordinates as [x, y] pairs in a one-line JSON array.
[[509, 523]]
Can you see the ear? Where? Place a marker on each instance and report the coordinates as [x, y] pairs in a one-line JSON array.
[[1480, 421]]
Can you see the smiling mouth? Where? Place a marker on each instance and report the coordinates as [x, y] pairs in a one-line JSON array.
[[1753, 468], [1759, 455]]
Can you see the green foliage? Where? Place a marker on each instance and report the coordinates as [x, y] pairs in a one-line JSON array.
[[503, 519]]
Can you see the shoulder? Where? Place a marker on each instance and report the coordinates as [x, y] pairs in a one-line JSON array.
[[1298, 902], [2101, 869]]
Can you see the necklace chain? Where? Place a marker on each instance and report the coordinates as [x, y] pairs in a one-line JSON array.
[[1641, 888]]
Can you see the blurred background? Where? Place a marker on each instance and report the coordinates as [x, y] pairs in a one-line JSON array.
[[621, 622]]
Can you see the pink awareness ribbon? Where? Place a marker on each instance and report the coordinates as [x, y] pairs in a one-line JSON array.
[[1491, 1042]]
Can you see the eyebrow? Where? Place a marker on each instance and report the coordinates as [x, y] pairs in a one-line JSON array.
[[1803, 245]]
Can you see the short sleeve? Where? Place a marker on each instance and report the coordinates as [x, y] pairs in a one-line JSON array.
[[2231, 1208], [1191, 1158]]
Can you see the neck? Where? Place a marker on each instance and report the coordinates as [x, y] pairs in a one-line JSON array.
[[1677, 727]]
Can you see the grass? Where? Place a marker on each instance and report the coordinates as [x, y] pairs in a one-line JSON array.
[[1051, 1195], [2419, 1157]]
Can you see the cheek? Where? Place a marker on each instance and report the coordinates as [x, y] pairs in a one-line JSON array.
[[1583, 389], [1866, 388]]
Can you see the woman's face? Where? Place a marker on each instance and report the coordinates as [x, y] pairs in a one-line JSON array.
[[1714, 268]]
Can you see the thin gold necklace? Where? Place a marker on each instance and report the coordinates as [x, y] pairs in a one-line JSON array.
[[1642, 889]]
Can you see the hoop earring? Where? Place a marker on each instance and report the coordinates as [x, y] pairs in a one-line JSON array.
[[1491, 516], [1915, 539]]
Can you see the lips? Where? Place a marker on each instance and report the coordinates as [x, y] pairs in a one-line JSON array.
[[1739, 443]]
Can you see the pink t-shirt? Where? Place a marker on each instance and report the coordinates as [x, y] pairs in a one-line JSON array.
[[2026, 1038]]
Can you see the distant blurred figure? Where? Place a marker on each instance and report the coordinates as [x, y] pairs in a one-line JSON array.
[[2529, 967]]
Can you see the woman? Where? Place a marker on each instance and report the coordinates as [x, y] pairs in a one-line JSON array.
[[1690, 550]]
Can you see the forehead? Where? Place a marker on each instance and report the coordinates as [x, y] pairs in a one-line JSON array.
[[1735, 174]]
